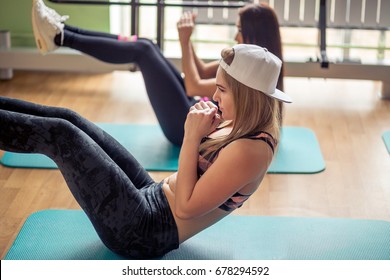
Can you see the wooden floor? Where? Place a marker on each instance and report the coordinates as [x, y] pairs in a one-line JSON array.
[[348, 118]]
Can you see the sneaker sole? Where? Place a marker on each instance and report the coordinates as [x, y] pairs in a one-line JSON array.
[[39, 41]]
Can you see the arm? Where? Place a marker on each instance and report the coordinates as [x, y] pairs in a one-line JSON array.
[[239, 164], [206, 70], [201, 120], [195, 84]]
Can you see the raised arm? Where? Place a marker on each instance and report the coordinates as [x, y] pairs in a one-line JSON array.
[[207, 70], [198, 76]]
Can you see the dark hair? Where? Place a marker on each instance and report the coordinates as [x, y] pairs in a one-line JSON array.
[[260, 26]]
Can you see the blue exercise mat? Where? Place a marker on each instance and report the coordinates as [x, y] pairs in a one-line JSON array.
[[386, 139], [298, 152], [68, 234]]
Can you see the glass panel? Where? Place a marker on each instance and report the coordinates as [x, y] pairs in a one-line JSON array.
[[299, 43], [148, 22], [120, 19]]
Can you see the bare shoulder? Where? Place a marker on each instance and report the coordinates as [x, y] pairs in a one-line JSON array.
[[254, 156], [251, 148]]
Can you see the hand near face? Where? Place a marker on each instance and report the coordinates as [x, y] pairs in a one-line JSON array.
[[202, 119]]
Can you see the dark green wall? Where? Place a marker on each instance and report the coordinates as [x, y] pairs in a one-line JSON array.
[[15, 16]]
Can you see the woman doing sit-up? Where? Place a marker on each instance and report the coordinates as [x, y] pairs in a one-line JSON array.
[[222, 161]]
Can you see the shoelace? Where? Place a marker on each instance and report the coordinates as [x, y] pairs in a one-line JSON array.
[[52, 12], [59, 26], [55, 19], [56, 16]]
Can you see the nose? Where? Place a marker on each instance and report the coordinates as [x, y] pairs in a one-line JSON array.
[[216, 96]]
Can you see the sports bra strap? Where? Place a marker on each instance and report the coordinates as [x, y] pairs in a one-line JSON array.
[[269, 140]]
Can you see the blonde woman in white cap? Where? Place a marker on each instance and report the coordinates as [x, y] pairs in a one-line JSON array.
[[222, 161]]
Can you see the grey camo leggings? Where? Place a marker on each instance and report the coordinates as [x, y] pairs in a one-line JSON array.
[[127, 208]]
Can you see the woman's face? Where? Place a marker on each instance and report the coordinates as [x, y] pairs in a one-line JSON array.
[[238, 36], [224, 96]]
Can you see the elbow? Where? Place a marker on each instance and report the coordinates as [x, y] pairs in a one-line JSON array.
[[192, 93], [183, 214], [193, 88]]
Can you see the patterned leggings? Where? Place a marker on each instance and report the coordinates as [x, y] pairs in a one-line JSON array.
[[127, 208]]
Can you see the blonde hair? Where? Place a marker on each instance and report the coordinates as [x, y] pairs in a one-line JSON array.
[[254, 111]]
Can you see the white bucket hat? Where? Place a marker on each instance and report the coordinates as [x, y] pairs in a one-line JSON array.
[[256, 68]]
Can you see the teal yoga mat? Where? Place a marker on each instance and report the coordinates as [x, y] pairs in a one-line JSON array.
[[298, 152], [68, 234], [386, 139]]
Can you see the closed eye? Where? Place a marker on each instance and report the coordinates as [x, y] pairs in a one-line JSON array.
[[220, 88]]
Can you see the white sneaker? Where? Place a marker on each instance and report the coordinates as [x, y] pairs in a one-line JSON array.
[[45, 27], [57, 17]]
